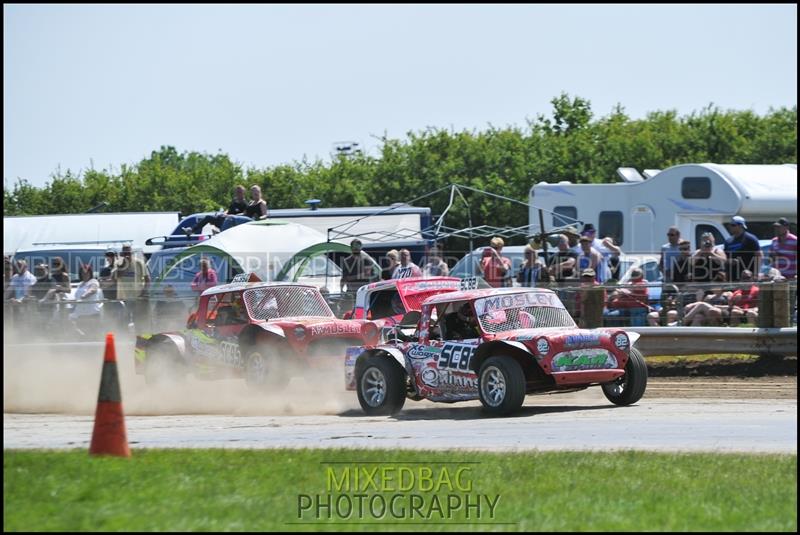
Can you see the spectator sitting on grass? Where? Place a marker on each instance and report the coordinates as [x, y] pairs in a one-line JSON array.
[[709, 310], [670, 307], [622, 301], [744, 302]]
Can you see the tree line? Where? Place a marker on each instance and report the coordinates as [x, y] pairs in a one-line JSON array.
[[569, 144]]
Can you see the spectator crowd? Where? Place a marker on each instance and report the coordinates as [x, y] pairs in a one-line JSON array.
[[711, 284]]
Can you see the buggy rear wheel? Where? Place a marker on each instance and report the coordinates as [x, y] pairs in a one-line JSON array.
[[501, 385], [262, 371], [164, 366]]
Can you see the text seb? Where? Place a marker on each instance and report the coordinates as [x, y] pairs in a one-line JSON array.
[[456, 356]]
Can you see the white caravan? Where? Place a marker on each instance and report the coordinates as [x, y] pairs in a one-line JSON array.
[[694, 197], [78, 230]]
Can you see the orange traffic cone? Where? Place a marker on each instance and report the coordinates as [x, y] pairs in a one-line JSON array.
[[109, 437]]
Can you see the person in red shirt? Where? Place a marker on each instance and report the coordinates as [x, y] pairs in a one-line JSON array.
[[633, 297], [496, 269], [630, 303], [744, 302]]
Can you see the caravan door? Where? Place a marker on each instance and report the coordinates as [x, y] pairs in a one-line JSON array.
[[642, 223], [701, 226]]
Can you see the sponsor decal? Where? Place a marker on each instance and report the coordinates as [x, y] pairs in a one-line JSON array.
[[230, 354], [201, 336], [430, 377], [516, 300], [459, 380], [202, 345], [431, 285], [226, 351], [542, 346], [582, 340], [421, 352], [468, 283], [457, 356], [351, 354], [335, 328], [586, 359], [350, 357]]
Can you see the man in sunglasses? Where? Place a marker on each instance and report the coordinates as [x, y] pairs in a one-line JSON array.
[[670, 252]]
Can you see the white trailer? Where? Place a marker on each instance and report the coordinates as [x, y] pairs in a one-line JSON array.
[[694, 197], [77, 230]]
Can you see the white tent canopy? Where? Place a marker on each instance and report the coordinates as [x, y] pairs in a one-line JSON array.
[[260, 247]]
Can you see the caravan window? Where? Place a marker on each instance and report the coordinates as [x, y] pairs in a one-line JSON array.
[[696, 187], [564, 215], [610, 224]]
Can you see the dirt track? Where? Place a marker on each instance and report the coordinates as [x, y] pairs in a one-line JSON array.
[[578, 421], [49, 402], [723, 387]]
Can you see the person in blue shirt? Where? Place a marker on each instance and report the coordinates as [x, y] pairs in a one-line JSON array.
[[742, 250]]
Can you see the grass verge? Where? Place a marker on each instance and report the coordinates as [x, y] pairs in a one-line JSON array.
[[679, 359], [280, 490]]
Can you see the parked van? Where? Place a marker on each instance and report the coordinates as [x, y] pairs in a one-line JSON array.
[[696, 198]]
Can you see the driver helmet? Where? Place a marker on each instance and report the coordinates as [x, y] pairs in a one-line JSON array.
[[397, 305], [465, 312], [237, 305]]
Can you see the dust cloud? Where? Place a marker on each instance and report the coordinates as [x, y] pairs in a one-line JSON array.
[[65, 378]]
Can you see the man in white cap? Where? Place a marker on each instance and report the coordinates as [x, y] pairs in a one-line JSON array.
[[742, 249]]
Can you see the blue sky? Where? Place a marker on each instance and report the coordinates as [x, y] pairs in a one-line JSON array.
[[105, 85]]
